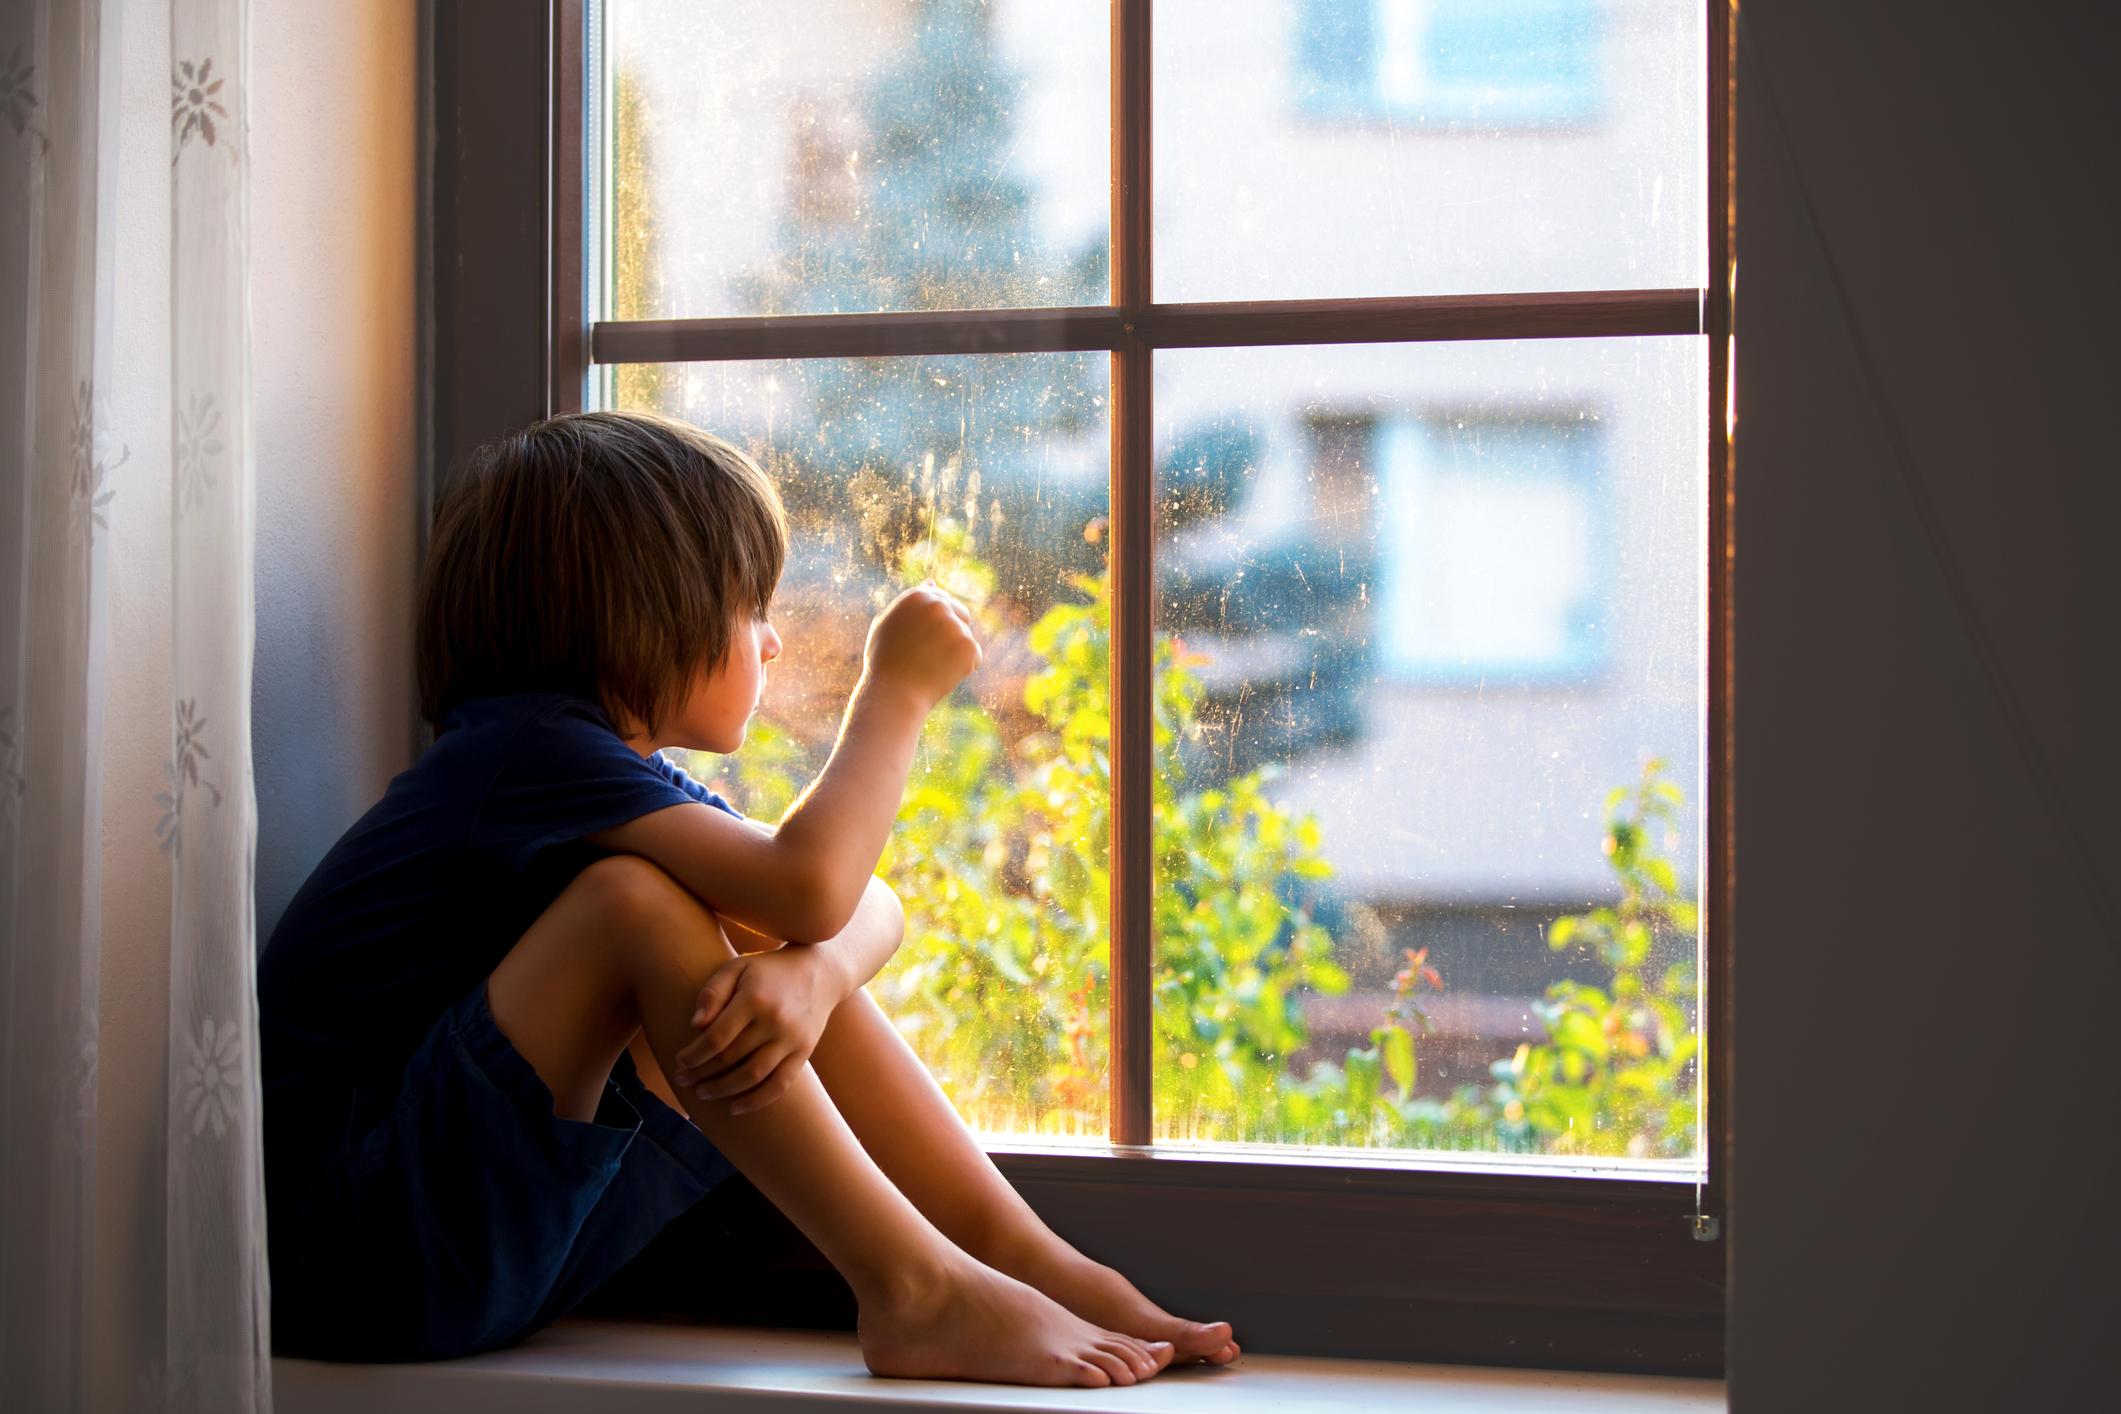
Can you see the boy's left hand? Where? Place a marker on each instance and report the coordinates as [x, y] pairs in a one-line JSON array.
[[763, 1013]]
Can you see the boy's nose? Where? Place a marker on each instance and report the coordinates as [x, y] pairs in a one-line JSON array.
[[769, 645]]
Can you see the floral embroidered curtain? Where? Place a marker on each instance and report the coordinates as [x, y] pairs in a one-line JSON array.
[[218, 1351], [57, 144], [59, 80]]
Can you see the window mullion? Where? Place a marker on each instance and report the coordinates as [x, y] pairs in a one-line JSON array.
[[1133, 761], [1560, 314]]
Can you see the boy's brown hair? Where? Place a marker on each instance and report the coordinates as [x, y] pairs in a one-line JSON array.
[[605, 554]]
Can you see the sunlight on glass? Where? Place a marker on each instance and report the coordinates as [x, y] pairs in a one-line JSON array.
[[989, 476], [1431, 703], [1311, 149], [836, 156]]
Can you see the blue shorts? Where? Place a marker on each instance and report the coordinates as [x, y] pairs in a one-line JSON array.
[[461, 1214]]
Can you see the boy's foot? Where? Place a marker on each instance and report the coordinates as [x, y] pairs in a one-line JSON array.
[[976, 1324], [1102, 1296]]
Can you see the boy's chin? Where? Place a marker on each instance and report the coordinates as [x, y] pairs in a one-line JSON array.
[[716, 746]]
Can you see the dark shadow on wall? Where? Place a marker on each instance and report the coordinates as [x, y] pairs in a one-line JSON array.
[[1929, 606]]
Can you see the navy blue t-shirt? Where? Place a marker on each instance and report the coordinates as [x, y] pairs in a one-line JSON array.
[[428, 891]]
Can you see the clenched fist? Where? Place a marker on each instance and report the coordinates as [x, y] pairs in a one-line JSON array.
[[923, 641]]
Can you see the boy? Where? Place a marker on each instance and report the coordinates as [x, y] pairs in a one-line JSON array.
[[485, 1010]]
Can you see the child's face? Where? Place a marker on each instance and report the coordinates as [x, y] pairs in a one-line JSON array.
[[719, 706]]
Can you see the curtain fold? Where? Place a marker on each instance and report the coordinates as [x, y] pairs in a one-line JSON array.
[[58, 130], [218, 1349]]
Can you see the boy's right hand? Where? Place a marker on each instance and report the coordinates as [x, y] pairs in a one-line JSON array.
[[923, 641]]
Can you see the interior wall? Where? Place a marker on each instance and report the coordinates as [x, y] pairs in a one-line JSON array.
[[332, 310], [332, 298], [1929, 607]]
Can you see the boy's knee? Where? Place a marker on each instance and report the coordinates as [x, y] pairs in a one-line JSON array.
[[634, 895], [660, 917]]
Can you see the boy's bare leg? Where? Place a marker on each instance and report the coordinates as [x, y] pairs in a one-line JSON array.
[[917, 1137], [625, 948]]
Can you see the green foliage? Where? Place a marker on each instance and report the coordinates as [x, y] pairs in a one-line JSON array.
[[1234, 945], [636, 250], [1000, 858], [1396, 1037], [1616, 1074]]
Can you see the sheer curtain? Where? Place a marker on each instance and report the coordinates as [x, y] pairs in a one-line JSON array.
[[58, 148], [57, 235], [217, 1329]]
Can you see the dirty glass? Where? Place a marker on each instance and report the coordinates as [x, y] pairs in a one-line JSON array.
[[988, 474], [841, 156], [1431, 697], [1314, 149]]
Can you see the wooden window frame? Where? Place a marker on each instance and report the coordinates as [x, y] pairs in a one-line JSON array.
[[1430, 1257]]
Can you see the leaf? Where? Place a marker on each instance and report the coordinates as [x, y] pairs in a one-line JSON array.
[[1397, 1043], [1007, 966]]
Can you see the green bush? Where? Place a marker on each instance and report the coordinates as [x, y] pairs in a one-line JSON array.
[[1616, 1074], [1002, 985]]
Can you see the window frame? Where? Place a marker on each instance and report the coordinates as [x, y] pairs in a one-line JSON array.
[[1427, 1257]]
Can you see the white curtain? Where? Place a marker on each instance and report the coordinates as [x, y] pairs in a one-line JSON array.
[[59, 76], [217, 1329], [57, 147]]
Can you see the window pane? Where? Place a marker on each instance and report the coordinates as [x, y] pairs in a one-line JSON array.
[[821, 156], [1317, 149], [1432, 687], [988, 474]]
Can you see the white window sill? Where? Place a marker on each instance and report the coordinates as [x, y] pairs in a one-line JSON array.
[[616, 1367]]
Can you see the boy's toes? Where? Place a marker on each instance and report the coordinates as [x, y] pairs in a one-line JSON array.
[[1111, 1363], [1206, 1340], [1129, 1353], [1205, 1337], [1090, 1375]]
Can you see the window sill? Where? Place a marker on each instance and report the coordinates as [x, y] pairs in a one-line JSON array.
[[618, 1367], [1305, 1164]]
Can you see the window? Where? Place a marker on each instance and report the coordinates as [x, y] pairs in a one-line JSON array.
[[1493, 63], [1495, 547], [1332, 584]]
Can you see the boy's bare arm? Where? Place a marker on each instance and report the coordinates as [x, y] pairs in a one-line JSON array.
[[803, 879], [857, 952], [763, 1013]]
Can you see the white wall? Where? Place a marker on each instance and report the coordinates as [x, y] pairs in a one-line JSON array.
[[332, 287], [332, 301]]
